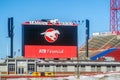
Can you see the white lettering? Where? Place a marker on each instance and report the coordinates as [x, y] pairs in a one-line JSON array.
[[38, 22], [51, 51], [42, 51], [53, 23], [55, 51], [66, 23]]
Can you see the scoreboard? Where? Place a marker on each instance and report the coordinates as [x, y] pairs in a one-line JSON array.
[[45, 39]]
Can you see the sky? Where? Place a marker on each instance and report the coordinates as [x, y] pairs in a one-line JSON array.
[[97, 11]]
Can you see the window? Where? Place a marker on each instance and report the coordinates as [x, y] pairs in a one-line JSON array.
[[64, 67], [108, 68], [58, 65], [99, 68], [113, 68], [31, 67], [83, 68], [47, 67], [93, 69], [75, 66], [11, 67], [58, 68], [40, 65]]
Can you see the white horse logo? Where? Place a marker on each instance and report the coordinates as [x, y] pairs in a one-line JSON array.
[[51, 35]]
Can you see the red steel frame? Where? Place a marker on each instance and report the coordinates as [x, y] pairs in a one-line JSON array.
[[115, 16]]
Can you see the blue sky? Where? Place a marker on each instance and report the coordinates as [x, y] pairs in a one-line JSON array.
[[97, 11]]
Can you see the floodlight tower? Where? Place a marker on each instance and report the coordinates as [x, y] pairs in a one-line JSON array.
[[115, 16], [11, 34]]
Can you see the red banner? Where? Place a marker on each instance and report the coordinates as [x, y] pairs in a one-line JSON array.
[[34, 51]]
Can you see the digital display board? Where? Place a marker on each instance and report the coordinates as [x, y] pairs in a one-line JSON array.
[[43, 41]]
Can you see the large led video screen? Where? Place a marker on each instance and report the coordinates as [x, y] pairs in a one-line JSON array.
[[43, 41]]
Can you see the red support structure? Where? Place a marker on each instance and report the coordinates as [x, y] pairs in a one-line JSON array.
[[115, 16]]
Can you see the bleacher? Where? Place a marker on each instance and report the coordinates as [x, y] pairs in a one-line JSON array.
[[98, 43]]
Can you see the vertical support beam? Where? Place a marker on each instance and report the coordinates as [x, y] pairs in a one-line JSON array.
[[78, 71], [7, 67], [27, 67], [54, 68], [15, 66], [35, 66]]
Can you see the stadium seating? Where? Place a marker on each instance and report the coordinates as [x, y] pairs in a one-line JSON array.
[[98, 44]]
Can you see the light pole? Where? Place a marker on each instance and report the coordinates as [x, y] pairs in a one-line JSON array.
[[87, 37], [77, 65], [11, 34]]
